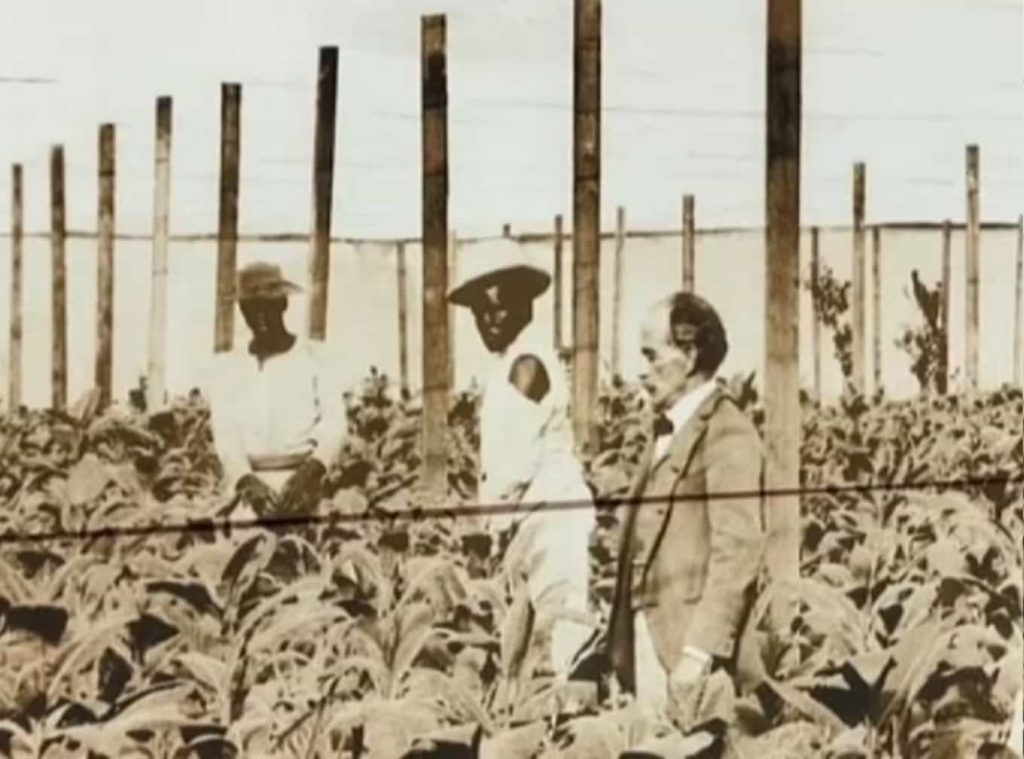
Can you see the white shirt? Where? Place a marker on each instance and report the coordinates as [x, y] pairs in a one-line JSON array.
[[680, 414], [527, 455], [286, 407]]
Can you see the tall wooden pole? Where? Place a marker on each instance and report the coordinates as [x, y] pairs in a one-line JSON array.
[[782, 303], [689, 243], [453, 275], [435, 253], [227, 233], [403, 320], [972, 269], [558, 285], [59, 310], [620, 244], [323, 190], [586, 219], [947, 245], [815, 309], [156, 373], [105, 267], [859, 291], [1018, 308], [876, 305], [17, 261]]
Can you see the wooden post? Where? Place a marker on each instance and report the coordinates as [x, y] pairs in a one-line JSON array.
[[859, 291], [17, 258], [1018, 308], [323, 189], [942, 384], [973, 255], [59, 352], [227, 233], [586, 219], [876, 305], [689, 243], [558, 285], [620, 244], [453, 275], [435, 253], [403, 321], [815, 308], [105, 267], [156, 374], [782, 303]]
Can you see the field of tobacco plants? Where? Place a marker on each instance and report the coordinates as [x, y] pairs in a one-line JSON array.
[[381, 630]]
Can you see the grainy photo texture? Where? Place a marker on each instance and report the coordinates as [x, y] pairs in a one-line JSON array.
[[557, 378]]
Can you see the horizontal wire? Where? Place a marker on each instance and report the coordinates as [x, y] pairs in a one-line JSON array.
[[477, 510]]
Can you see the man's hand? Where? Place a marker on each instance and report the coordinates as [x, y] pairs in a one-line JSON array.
[[258, 494], [301, 493]]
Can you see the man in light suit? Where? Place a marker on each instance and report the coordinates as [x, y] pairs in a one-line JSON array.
[[692, 540]]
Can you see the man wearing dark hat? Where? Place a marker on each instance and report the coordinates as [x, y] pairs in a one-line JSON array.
[[527, 453], [692, 541], [277, 424]]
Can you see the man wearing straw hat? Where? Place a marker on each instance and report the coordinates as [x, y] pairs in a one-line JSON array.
[[276, 424], [527, 454]]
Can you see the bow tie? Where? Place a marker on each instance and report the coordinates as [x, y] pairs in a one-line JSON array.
[[663, 426]]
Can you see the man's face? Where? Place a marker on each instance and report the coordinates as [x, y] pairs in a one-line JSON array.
[[264, 315], [500, 316], [668, 367]]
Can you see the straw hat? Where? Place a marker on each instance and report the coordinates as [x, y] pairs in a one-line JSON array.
[[501, 262], [263, 280]]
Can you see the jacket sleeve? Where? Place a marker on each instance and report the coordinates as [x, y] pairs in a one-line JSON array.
[[733, 485]]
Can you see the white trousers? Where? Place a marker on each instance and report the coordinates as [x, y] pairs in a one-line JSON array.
[[651, 677]]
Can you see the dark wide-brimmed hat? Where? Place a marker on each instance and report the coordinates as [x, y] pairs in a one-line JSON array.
[[263, 281], [506, 265]]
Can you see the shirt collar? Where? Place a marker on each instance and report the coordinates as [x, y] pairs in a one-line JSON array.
[[687, 406]]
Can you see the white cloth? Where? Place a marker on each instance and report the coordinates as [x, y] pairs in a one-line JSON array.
[[680, 414], [289, 406], [527, 455], [651, 677]]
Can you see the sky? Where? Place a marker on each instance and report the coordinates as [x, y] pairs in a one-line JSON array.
[[903, 85]]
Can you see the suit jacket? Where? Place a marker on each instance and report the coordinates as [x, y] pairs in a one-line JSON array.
[[693, 540]]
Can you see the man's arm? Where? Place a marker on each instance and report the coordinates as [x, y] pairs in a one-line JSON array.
[[225, 425], [530, 377], [734, 461]]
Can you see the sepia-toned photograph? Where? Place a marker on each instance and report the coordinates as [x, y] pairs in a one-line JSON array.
[[458, 379]]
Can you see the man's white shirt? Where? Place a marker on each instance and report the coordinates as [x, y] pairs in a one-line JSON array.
[[681, 413]]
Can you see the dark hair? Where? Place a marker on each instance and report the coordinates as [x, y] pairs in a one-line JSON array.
[[687, 309]]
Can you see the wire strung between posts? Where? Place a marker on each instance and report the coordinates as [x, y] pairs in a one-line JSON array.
[[475, 510]]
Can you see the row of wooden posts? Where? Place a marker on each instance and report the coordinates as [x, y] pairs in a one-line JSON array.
[[783, 139]]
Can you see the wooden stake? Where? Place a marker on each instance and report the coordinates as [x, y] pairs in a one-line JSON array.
[[876, 305], [859, 290], [558, 284], [973, 255], [586, 235], [17, 258], [227, 233], [156, 382], [947, 237], [1018, 308], [59, 352], [782, 303], [435, 254], [620, 243], [453, 275], [403, 321], [815, 308], [323, 188], [689, 243], [105, 267]]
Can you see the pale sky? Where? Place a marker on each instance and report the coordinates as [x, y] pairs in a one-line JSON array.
[[903, 85]]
